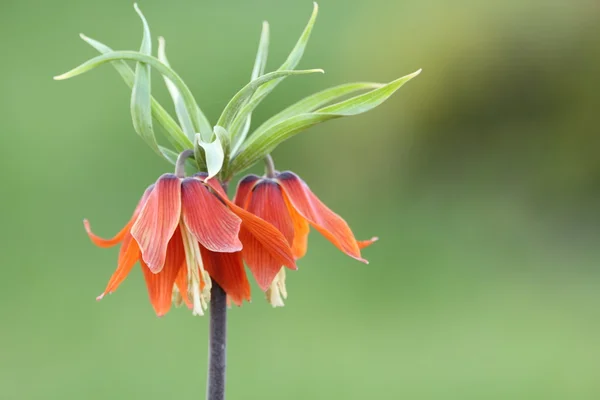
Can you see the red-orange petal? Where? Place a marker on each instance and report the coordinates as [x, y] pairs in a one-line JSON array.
[[100, 242], [262, 242], [128, 256], [328, 223], [366, 243], [182, 284], [160, 285], [158, 220], [208, 219], [244, 188], [301, 230], [227, 269]]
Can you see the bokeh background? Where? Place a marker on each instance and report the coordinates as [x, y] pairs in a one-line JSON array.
[[481, 176]]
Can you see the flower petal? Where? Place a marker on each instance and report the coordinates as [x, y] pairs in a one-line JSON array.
[[267, 203], [160, 285], [366, 243], [100, 242], [331, 225], [158, 220], [301, 230], [244, 188], [265, 248], [128, 256], [211, 223], [227, 269], [182, 285]]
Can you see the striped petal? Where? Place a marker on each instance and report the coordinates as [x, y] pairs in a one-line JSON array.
[[211, 223], [160, 285], [227, 269], [128, 256], [158, 220], [264, 245], [100, 242], [328, 223], [301, 230], [244, 188]]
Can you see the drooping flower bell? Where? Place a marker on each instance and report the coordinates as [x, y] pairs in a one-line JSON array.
[[184, 232], [287, 202]]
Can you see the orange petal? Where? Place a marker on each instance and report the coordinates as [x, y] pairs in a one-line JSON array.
[[366, 243], [128, 255], [160, 285], [331, 225], [301, 229], [100, 242], [265, 248], [158, 220], [244, 188], [182, 284], [227, 269], [267, 203], [211, 223]]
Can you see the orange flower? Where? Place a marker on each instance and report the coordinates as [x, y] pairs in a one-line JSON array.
[[287, 202], [184, 232]]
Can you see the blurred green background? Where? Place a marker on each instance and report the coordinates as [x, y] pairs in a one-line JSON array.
[[481, 176]]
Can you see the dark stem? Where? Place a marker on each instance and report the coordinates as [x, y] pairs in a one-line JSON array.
[[217, 343], [217, 340], [269, 166], [180, 163]]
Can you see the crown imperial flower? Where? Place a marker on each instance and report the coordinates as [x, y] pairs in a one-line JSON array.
[[186, 231], [287, 202]]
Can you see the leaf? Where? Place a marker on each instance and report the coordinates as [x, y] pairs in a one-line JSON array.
[[174, 132], [239, 134], [261, 144], [198, 119], [236, 103], [213, 154], [315, 101], [183, 116], [141, 112], [290, 63]]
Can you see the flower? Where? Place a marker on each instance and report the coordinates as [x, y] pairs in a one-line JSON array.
[[185, 232], [287, 202]]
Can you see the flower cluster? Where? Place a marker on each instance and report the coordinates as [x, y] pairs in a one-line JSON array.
[[185, 233]]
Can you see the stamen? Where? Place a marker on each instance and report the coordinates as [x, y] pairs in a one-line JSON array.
[[195, 272], [277, 292]]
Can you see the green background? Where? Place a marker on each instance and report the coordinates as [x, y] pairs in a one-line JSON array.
[[481, 176]]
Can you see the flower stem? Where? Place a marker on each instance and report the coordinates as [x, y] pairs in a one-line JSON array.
[[180, 163], [217, 344], [269, 166]]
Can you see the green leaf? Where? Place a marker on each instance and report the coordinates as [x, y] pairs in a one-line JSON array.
[[183, 116], [174, 132], [259, 145], [198, 119], [315, 101], [213, 153], [290, 63], [237, 102], [239, 133], [141, 112]]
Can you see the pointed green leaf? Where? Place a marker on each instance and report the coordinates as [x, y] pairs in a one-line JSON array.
[[239, 133], [236, 103], [259, 145], [213, 154], [198, 118], [174, 132], [141, 112], [183, 116], [290, 63], [315, 101]]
